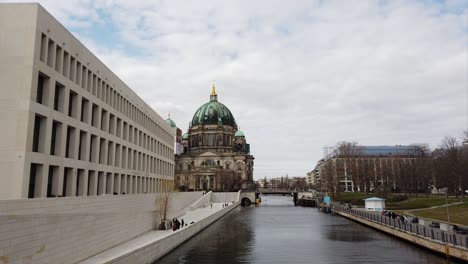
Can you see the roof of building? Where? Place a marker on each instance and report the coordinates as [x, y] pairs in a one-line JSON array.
[[384, 150], [239, 133], [185, 136], [213, 113], [374, 199]]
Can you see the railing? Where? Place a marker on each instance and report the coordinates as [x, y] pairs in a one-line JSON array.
[[433, 233]]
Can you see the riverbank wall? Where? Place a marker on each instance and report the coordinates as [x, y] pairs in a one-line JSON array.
[[71, 229], [152, 246], [455, 245]]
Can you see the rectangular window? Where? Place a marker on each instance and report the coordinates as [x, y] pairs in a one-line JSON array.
[[81, 183], [66, 64], [129, 159], [93, 150], [109, 183], [70, 143], [130, 134], [52, 181], [84, 110], [83, 77], [58, 59], [39, 130], [42, 94], [72, 72], [56, 138], [111, 124], [99, 88], [104, 120], [59, 97], [118, 129], [101, 183], [32, 179], [117, 155], [90, 81], [68, 182], [82, 145], [50, 53], [94, 84], [92, 183], [95, 116], [116, 183], [110, 153], [78, 73], [124, 157], [73, 104], [102, 151], [43, 51]]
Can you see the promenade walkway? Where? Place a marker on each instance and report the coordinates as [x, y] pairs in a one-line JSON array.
[[152, 237], [447, 242]]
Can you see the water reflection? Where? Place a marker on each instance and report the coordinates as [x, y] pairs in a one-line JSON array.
[[278, 232]]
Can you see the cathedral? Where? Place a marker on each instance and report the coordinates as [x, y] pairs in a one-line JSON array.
[[215, 154]]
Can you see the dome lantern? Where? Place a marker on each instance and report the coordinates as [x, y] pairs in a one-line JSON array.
[[213, 96]]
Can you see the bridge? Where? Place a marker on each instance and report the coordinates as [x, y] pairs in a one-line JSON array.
[[248, 197]]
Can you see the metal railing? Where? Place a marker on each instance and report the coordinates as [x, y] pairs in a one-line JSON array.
[[433, 233]]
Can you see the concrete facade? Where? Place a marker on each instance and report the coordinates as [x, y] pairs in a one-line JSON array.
[[71, 127], [71, 229]]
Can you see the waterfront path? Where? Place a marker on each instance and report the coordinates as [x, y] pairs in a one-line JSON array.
[[152, 237], [435, 239]]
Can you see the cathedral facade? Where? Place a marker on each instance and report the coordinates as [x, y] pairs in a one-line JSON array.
[[216, 155]]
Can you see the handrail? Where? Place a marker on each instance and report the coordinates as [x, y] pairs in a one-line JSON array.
[[427, 232]]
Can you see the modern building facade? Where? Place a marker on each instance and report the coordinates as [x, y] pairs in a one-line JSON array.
[[216, 154], [370, 167], [69, 125]]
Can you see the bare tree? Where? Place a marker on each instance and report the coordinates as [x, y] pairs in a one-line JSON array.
[[349, 151], [328, 177], [450, 166], [162, 202]]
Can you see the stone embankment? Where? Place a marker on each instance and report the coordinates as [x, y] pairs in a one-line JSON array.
[[155, 244], [445, 242]]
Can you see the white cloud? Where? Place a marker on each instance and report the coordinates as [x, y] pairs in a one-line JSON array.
[[296, 75]]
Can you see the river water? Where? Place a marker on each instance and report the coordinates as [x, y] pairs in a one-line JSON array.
[[279, 232]]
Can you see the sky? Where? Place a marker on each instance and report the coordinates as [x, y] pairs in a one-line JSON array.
[[297, 75]]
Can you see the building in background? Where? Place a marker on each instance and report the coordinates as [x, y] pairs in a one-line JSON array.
[[369, 168], [216, 155], [70, 126], [178, 148]]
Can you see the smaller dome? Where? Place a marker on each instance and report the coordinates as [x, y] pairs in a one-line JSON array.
[[185, 136], [239, 134], [170, 122]]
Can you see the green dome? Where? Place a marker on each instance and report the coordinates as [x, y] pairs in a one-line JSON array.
[[239, 134], [170, 122], [185, 136], [213, 113]]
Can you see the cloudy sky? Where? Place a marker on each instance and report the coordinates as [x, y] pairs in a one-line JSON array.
[[297, 75]]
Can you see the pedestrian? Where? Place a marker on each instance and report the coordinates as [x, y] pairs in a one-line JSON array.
[[211, 206], [182, 222]]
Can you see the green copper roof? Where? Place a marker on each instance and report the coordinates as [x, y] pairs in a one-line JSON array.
[[239, 134], [185, 136], [213, 113], [170, 122]]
